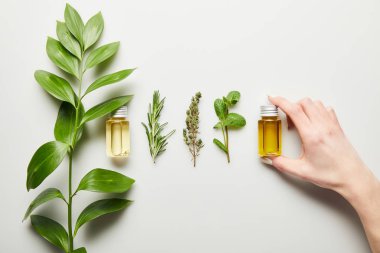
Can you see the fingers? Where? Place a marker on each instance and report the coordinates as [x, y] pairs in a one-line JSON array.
[[294, 167], [311, 118], [322, 109], [332, 114], [310, 109], [294, 111], [315, 111]]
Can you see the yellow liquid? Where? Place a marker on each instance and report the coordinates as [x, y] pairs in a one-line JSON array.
[[269, 136], [118, 137]]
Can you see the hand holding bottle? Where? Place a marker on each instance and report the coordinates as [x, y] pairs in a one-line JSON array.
[[330, 161]]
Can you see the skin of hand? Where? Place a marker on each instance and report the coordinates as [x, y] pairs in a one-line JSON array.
[[330, 161]]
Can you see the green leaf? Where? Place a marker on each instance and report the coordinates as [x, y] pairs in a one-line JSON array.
[[233, 97], [106, 107], [220, 108], [74, 23], [44, 162], [61, 57], [227, 102], [100, 208], [234, 120], [68, 40], [93, 30], [55, 86], [109, 79], [107, 181], [220, 145], [43, 197], [51, 230], [101, 54], [218, 125], [65, 124], [80, 250]]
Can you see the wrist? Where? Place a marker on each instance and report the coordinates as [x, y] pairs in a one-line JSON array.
[[361, 191]]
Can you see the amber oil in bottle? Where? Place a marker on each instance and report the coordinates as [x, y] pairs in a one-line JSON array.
[[269, 129], [117, 133]]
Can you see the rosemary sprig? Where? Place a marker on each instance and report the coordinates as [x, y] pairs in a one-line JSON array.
[[157, 142], [190, 133]]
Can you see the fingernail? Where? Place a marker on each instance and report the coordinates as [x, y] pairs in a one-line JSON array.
[[269, 99], [266, 161]]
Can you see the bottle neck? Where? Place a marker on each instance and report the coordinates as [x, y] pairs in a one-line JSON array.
[[121, 112], [264, 117]]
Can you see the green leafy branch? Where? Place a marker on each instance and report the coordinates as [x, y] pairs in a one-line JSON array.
[[190, 133], [157, 141], [227, 119], [73, 53]]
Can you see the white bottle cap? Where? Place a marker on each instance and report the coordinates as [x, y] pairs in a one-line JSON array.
[[268, 110], [121, 112]]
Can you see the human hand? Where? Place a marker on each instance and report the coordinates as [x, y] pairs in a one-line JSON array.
[[328, 159]]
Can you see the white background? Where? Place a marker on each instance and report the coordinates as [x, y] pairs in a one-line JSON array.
[[328, 50]]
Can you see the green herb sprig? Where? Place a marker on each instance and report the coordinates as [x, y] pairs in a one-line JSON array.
[[227, 120], [73, 54], [190, 133], [157, 141]]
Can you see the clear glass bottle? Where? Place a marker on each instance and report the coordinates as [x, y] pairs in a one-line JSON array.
[[269, 129], [117, 134]]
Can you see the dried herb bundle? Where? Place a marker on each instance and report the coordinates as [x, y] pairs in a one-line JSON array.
[[157, 142], [190, 133]]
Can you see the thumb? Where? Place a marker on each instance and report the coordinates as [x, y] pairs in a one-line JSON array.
[[288, 165]]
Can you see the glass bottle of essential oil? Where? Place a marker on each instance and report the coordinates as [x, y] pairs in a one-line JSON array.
[[117, 134], [269, 127]]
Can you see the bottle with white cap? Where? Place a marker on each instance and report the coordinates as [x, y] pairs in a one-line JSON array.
[[269, 128], [117, 133]]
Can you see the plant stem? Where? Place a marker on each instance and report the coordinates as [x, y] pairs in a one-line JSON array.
[[69, 206], [193, 142], [225, 138], [228, 148], [225, 135], [194, 154], [194, 159], [73, 144]]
